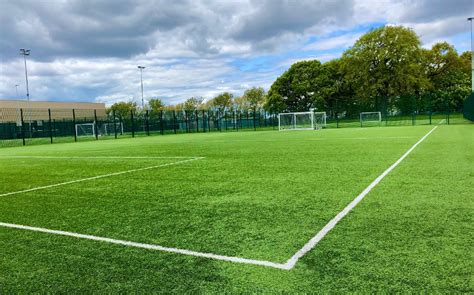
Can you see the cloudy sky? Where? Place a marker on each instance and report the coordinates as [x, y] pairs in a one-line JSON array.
[[89, 50]]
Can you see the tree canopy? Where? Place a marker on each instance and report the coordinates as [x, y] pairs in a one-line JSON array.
[[385, 69], [123, 109], [156, 104]]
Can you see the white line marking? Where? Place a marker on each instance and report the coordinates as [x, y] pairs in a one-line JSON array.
[[93, 157], [147, 246], [97, 177], [360, 138], [330, 225]]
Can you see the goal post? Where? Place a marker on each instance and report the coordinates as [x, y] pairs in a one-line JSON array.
[[85, 129], [370, 118], [301, 121]]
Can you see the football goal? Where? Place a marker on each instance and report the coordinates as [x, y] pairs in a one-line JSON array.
[[301, 121], [85, 129], [370, 118]]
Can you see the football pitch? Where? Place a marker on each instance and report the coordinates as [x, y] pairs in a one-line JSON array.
[[335, 210]]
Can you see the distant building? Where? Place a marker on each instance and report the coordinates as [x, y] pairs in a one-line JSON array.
[[10, 110]]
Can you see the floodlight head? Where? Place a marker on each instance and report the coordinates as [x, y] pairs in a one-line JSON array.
[[470, 18], [25, 51], [141, 67]]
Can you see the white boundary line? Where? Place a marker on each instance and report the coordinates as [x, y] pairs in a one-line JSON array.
[[332, 223], [93, 157], [146, 246], [98, 177], [290, 263]]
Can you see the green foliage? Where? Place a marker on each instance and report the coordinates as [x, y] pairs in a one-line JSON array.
[[385, 62], [222, 101], [448, 75], [386, 70], [300, 88], [255, 97], [123, 109], [193, 103], [156, 104]]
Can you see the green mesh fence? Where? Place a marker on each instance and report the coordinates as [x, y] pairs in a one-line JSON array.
[[40, 126], [469, 108]]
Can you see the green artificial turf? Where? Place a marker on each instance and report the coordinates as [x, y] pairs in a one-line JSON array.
[[257, 195]]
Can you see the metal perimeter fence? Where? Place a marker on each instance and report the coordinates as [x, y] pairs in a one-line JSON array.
[[39, 126]]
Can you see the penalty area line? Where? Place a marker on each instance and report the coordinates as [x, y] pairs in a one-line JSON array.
[[147, 246], [98, 177], [332, 223]]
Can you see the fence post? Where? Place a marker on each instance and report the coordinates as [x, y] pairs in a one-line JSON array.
[[96, 129], [254, 126], [74, 125], [50, 127], [147, 118], [203, 121], [197, 121], [236, 116], [174, 121], [133, 123], [208, 121], [161, 122], [225, 120], [115, 124], [21, 127]]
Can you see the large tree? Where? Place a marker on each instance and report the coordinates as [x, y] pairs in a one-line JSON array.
[[449, 76], [300, 88], [385, 63]]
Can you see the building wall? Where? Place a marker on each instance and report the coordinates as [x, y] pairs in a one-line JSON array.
[[51, 105], [38, 110]]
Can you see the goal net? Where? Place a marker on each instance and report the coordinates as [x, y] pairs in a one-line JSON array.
[[301, 121], [85, 129], [370, 118]]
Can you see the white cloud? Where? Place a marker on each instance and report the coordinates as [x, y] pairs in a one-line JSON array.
[[84, 52]]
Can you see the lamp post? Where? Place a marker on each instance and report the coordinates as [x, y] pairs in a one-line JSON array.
[[26, 52], [16, 90], [470, 19], [141, 80]]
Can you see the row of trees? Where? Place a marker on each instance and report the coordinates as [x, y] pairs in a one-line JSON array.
[[386, 69], [252, 98]]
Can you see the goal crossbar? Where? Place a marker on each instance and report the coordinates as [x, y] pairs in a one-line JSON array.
[[301, 121]]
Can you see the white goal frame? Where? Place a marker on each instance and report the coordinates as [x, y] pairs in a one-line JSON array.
[[313, 116], [378, 120], [79, 125]]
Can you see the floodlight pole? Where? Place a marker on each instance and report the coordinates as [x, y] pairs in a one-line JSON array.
[[26, 52], [16, 90], [141, 80], [471, 19]]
